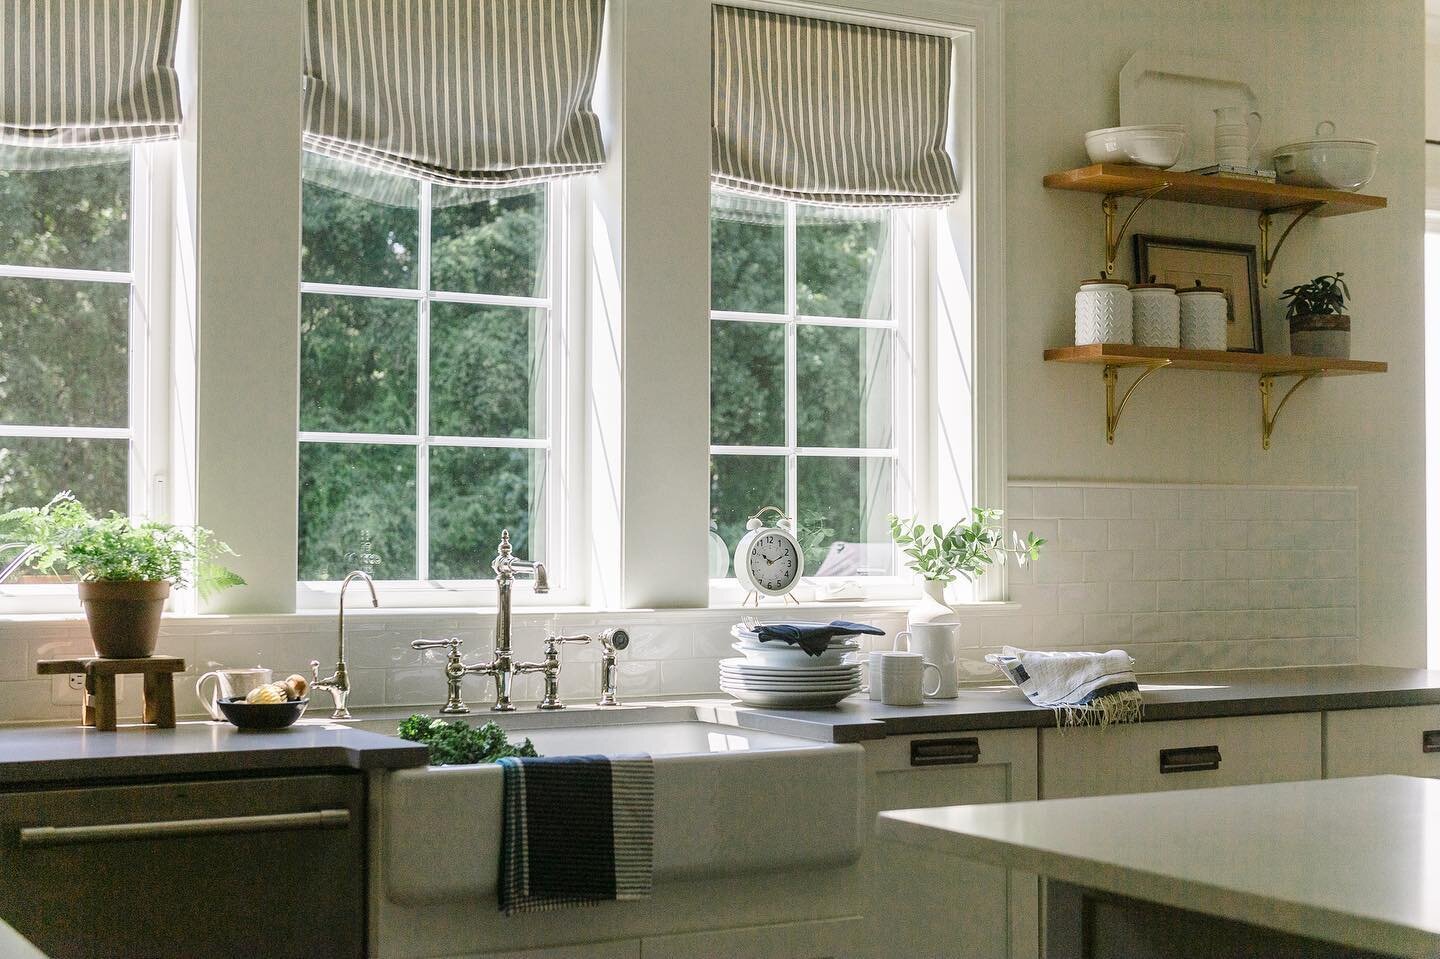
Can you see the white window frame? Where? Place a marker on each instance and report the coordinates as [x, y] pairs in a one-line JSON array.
[[564, 379], [903, 284], [148, 434]]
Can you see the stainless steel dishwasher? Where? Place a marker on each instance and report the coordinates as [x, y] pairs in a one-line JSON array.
[[268, 866]]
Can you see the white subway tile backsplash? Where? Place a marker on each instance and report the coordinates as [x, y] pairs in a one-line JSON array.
[[1079, 535], [1107, 503], [1132, 534], [1217, 577], [1058, 501], [1035, 599], [1020, 502]]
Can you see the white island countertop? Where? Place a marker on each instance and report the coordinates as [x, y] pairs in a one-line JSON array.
[[1350, 861]]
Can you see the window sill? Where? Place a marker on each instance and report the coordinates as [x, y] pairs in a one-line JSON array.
[[567, 613]]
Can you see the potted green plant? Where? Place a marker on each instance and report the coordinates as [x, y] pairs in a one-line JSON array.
[[126, 567], [968, 549], [1319, 325]]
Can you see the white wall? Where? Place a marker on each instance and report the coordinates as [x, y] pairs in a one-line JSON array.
[[1361, 64]]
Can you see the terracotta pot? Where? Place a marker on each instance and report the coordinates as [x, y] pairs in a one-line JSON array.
[[124, 617]]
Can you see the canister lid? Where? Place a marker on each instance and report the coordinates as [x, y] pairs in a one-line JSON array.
[[1152, 285], [1106, 280]]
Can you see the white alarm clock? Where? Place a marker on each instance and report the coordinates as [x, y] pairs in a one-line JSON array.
[[768, 559]]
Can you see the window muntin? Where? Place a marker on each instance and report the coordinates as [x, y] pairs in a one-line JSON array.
[[428, 375], [806, 405], [73, 362]]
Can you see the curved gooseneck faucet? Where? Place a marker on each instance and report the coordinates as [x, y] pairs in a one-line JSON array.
[[26, 552], [338, 684]]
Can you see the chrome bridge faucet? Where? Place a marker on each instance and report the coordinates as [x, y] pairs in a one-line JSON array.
[[502, 666]]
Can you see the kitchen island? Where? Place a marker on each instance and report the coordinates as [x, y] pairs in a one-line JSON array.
[[1332, 868]]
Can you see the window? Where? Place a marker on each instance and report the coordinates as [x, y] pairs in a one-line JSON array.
[[74, 363], [808, 410], [429, 374]]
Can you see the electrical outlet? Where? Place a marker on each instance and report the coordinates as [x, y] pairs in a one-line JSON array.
[[67, 690], [77, 681]]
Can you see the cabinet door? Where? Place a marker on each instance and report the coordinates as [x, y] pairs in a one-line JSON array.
[[823, 939], [624, 949], [925, 904], [1185, 754], [1403, 740], [210, 868]]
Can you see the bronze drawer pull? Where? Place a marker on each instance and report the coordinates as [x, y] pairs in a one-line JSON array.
[[1430, 741], [945, 752], [1189, 759]]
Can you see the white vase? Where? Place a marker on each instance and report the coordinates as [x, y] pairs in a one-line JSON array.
[[932, 607]]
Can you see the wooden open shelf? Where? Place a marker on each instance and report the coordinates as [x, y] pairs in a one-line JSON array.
[[1119, 179], [1114, 354], [1150, 359]]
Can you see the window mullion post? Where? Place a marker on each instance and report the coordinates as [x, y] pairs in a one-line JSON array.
[[792, 399], [422, 394]]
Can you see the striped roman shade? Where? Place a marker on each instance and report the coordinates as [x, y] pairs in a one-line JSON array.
[[827, 112], [84, 72], [467, 92]]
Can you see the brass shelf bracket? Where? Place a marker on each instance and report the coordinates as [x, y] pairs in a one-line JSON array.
[[1112, 409], [1111, 207], [1269, 256], [1268, 416]]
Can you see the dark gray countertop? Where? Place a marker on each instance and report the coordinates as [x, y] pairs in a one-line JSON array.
[[1241, 692], [53, 754]]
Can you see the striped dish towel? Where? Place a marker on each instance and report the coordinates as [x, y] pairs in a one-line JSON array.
[[577, 830], [1084, 689]]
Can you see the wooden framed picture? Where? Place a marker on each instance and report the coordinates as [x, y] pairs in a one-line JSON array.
[[1232, 267]]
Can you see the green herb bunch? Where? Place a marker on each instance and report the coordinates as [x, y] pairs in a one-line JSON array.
[[1322, 296], [457, 744], [965, 549], [117, 548]]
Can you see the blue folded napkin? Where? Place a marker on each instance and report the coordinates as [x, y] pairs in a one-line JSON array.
[[814, 638], [577, 830]]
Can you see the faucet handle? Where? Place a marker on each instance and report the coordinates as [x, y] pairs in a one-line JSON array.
[[453, 644]]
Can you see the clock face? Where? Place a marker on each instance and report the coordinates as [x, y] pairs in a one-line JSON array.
[[774, 562]]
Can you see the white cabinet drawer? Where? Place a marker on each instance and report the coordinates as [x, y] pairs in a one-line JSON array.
[[1403, 740], [1185, 754]]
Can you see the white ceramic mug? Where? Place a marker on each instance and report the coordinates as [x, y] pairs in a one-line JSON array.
[[902, 678], [229, 684], [939, 643]]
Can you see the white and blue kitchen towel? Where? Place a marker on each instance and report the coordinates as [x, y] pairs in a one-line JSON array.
[[1084, 689], [577, 830]]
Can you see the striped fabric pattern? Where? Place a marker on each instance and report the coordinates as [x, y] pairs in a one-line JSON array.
[[465, 92], [827, 112], [84, 72], [576, 830]]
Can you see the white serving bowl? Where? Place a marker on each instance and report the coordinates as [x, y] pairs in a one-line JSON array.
[[1156, 145], [1329, 164]]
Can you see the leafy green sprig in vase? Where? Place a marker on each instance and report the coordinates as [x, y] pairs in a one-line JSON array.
[[969, 549]]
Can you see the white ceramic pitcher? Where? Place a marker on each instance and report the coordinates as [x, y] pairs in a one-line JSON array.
[[1236, 133], [939, 643]]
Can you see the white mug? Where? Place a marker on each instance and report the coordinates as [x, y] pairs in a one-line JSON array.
[[875, 664], [902, 678], [229, 684], [939, 643]]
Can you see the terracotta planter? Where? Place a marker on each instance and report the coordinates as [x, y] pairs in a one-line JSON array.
[[1313, 334], [124, 617]]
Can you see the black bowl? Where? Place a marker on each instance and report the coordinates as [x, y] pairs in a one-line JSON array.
[[262, 715]]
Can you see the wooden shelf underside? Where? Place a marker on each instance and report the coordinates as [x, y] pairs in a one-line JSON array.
[[1113, 354], [1119, 178]]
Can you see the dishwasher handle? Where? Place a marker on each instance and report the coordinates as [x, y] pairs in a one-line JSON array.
[[38, 836]]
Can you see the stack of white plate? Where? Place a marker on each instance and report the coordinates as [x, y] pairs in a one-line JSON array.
[[776, 674]]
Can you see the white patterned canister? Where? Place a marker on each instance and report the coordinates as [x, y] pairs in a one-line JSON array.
[[1102, 312], [1203, 314], [1157, 314]]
